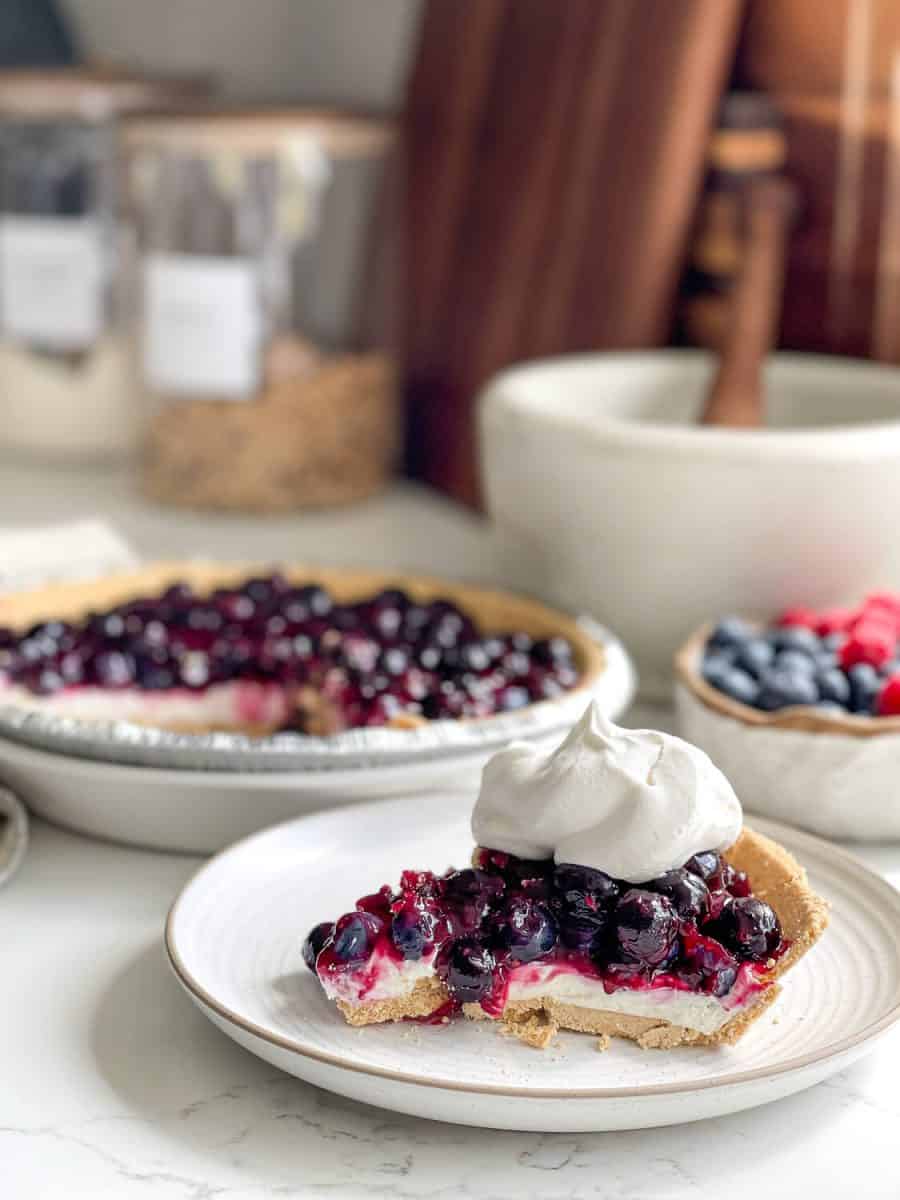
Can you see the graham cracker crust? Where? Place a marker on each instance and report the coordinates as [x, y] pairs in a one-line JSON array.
[[776, 877], [426, 997]]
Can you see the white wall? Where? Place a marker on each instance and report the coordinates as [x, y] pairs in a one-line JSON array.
[[347, 51]]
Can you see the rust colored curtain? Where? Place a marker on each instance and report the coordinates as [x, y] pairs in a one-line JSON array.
[[555, 155]]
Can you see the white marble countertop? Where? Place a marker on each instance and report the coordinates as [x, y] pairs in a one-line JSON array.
[[114, 1085]]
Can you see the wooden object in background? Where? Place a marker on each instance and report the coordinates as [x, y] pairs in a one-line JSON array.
[[555, 157], [834, 71], [737, 396], [747, 144]]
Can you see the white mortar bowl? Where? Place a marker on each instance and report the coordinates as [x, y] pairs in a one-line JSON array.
[[610, 499]]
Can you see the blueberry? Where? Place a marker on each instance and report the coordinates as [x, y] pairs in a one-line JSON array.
[[833, 641], [526, 929], [795, 637], [645, 928], [573, 881], [468, 894], [469, 970], [715, 667], [834, 687], [754, 656], [582, 898], [747, 926], [781, 689], [739, 685], [864, 687], [795, 662], [550, 652], [730, 631], [687, 891], [581, 925], [708, 966], [706, 864], [314, 941], [511, 698], [112, 668], [355, 935], [412, 931]]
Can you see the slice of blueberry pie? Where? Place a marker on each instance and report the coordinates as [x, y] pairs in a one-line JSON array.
[[194, 648], [613, 891]]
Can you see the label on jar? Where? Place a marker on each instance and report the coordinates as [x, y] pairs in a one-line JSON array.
[[51, 281], [202, 326]]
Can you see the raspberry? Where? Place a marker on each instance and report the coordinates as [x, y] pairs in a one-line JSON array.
[[806, 617], [834, 620], [869, 643], [888, 704], [881, 609]]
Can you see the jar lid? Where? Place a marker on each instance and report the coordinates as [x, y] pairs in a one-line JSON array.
[[90, 94], [261, 131]]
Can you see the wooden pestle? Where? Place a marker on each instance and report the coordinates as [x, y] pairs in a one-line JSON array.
[[737, 397]]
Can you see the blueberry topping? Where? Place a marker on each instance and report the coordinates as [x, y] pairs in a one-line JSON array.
[[748, 927], [355, 935], [575, 881], [314, 942], [526, 929], [687, 891], [375, 659], [468, 894], [469, 970], [645, 928], [412, 931], [706, 864], [707, 966]]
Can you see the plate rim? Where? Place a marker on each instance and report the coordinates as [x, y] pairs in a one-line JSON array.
[[845, 859]]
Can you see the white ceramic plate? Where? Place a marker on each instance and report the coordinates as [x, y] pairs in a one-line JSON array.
[[234, 939]]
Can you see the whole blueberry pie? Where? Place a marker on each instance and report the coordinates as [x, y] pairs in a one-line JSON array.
[[613, 890], [195, 648]]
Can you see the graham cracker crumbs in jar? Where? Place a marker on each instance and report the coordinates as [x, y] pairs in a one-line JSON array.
[[326, 437], [267, 389]]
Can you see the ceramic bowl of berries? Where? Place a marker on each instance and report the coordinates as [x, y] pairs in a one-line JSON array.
[[803, 713], [686, 520]]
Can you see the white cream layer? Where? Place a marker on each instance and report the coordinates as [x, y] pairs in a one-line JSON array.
[[382, 978], [225, 705], [391, 980]]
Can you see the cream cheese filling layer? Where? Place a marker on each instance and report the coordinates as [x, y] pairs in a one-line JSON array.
[[384, 978], [244, 702]]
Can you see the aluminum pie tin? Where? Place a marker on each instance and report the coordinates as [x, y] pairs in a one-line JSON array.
[[126, 743]]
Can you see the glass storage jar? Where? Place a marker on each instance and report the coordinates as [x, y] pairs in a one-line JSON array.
[[265, 307], [67, 385]]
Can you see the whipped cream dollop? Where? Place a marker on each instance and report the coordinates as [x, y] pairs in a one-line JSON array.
[[630, 802]]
